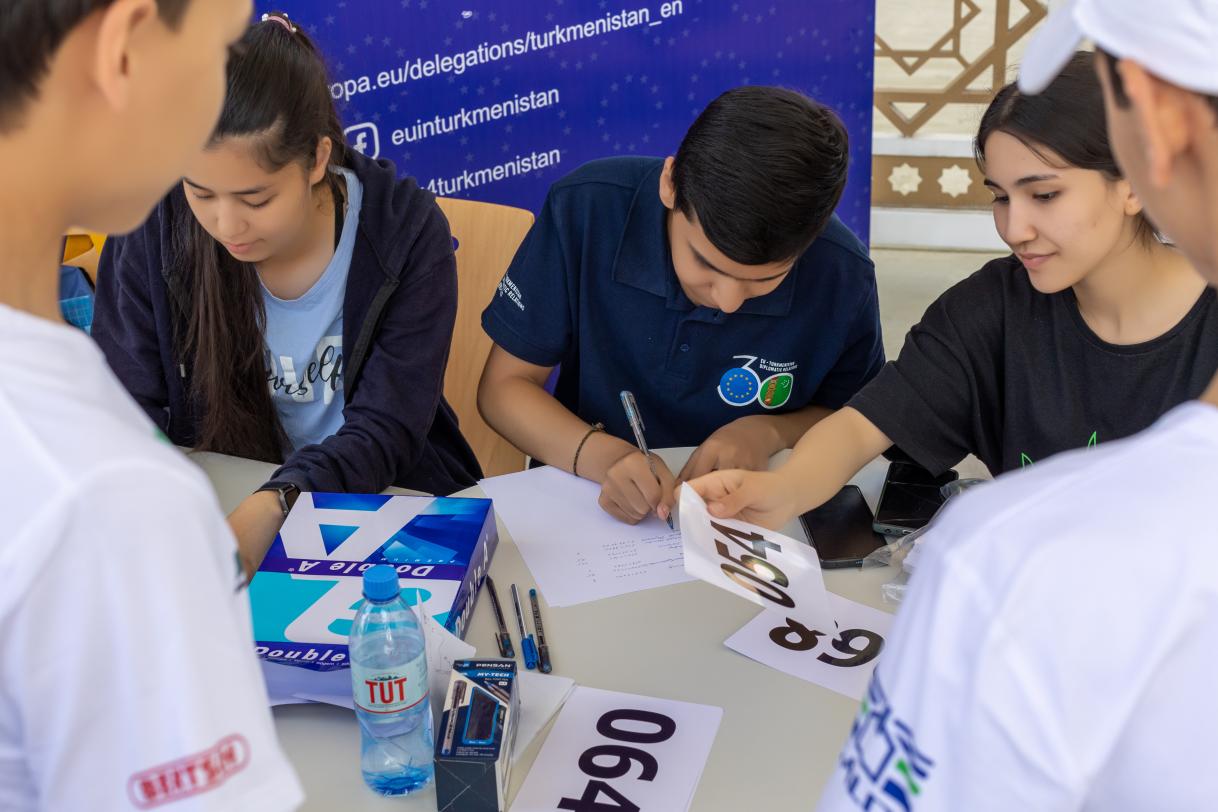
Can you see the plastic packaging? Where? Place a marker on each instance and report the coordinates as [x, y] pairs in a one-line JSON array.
[[904, 550], [389, 685]]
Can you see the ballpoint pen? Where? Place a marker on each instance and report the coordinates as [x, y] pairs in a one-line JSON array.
[[502, 637], [450, 730], [526, 639], [543, 651], [636, 424]]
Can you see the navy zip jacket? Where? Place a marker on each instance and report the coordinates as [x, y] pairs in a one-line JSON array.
[[398, 315]]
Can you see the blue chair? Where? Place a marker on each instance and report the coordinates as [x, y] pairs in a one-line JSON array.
[[76, 297]]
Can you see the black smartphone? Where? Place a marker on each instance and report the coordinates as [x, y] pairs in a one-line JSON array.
[[910, 498], [840, 529]]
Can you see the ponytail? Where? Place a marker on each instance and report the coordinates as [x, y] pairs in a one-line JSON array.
[[279, 96]]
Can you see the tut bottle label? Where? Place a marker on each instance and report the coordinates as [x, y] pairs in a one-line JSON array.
[[390, 690]]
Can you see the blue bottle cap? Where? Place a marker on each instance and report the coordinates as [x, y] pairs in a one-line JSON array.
[[381, 583]]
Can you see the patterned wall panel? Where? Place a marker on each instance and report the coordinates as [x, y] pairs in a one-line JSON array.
[[938, 64]]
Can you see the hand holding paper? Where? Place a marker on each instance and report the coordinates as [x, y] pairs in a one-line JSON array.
[[760, 565], [804, 630]]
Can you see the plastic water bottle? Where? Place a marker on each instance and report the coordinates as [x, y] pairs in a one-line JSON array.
[[389, 682]]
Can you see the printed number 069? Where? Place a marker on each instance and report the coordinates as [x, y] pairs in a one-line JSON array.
[[625, 757], [798, 637]]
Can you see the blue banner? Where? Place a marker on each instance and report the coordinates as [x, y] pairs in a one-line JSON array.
[[496, 99]]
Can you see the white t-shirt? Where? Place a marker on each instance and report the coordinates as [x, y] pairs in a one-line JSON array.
[[1058, 649], [127, 673]]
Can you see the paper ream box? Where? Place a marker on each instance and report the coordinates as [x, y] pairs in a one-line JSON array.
[[308, 588]]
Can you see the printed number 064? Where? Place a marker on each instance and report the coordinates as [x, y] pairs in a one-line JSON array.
[[625, 757]]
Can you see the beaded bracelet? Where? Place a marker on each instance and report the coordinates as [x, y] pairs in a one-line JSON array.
[[580, 447]]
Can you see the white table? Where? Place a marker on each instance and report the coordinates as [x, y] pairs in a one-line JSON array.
[[780, 736]]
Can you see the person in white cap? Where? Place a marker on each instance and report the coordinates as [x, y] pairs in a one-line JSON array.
[[1059, 646]]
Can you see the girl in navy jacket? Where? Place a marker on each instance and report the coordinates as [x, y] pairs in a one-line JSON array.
[[292, 301]]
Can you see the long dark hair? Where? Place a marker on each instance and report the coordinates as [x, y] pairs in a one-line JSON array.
[[278, 92], [1066, 118]]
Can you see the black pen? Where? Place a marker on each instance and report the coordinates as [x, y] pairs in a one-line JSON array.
[[636, 424], [502, 638], [543, 651]]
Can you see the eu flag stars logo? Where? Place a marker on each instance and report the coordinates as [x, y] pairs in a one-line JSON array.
[[739, 386]]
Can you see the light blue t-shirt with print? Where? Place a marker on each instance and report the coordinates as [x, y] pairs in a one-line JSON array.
[[304, 340]]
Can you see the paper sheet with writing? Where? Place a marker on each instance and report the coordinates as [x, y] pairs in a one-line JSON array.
[[760, 565], [840, 658], [575, 550], [623, 751]]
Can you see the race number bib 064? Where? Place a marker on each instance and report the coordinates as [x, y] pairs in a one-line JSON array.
[[613, 752]]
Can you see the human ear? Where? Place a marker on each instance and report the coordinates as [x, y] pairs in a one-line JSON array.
[[1159, 109], [668, 192], [1131, 204], [115, 62], [321, 160]]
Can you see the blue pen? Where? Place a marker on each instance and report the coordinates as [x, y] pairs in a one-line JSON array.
[[636, 424], [526, 639]]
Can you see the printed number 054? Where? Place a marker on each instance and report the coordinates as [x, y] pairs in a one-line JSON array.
[[623, 760]]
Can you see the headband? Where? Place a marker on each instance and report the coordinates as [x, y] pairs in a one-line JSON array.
[[282, 19]]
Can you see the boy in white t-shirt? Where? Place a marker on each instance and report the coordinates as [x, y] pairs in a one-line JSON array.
[[1059, 646], [127, 675]]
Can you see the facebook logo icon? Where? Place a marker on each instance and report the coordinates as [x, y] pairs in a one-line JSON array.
[[364, 139]]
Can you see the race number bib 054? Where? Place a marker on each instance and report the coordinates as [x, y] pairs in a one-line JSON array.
[[760, 565]]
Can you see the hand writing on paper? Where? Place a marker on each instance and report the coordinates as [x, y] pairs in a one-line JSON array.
[[630, 491], [746, 443], [759, 497]]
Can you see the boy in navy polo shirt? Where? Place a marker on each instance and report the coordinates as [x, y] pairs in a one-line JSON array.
[[717, 285]]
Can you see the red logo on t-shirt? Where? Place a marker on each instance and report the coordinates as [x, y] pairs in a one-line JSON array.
[[190, 775]]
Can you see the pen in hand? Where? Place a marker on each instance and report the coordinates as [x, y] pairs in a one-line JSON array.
[[636, 425]]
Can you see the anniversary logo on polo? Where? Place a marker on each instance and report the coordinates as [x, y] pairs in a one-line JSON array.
[[744, 384]]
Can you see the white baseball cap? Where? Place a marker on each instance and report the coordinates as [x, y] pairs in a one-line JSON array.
[[1177, 40]]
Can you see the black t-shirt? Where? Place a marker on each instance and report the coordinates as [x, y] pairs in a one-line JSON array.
[[997, 369]]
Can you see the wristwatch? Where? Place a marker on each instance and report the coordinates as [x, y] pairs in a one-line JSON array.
[[287, 493]]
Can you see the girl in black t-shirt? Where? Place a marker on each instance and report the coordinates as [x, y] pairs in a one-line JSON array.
[[1090, 331]]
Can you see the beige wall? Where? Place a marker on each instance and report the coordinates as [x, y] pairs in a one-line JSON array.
[[937, 65], [927, 47]]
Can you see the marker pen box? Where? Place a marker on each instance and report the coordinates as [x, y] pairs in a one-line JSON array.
[[475, 735]]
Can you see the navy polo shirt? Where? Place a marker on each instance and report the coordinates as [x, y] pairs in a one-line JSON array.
[[593, 288]]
